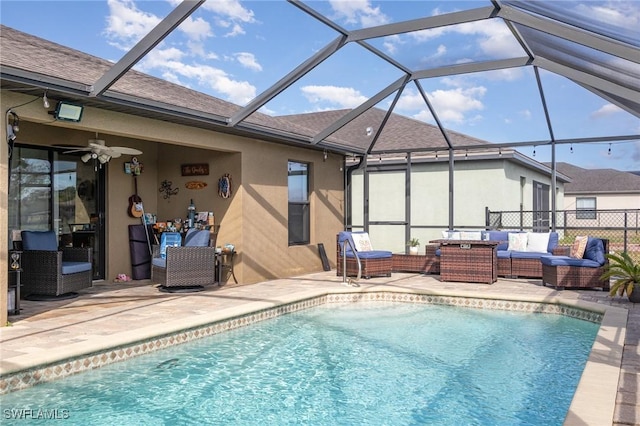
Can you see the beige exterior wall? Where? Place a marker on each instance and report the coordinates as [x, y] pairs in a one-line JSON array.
[[606, 201], [254, 218]]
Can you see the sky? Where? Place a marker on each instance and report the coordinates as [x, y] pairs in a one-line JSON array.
[[235, 50]]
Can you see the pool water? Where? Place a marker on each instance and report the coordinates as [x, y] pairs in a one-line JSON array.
[[355, 364]]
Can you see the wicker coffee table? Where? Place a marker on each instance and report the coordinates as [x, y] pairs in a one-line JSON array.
[[409, 262], [473, 261]]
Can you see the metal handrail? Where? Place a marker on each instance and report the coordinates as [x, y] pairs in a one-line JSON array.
[[344, 260]]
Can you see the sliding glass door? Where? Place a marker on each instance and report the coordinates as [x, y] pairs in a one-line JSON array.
[[52, 190]]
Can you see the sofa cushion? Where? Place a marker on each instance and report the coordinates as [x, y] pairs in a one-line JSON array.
[[451, 235], [595, 251], [361, 241], [372, 254], [537, 242], [578, 247], [502, 236], [554, 240], [39, 240], [158, 261], [197, 238], [75, 267], [529, 254], [517, 241], [503, 254], [568, 261]]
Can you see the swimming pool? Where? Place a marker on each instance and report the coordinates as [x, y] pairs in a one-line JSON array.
[[355, 364]]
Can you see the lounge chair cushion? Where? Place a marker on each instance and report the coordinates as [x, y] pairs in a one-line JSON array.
[[568, 261], [75, 267], [39, 240], [197, 238], [368, 253], [595, 251]]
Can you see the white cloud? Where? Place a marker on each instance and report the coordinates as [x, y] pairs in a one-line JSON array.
[[168, 62], [606, 111], [232, 9], [248, 60], [453, 106], [344, 97], [126, 24], [196, 29], [358, 12]]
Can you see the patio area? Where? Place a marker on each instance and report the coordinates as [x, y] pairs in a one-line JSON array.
[[115, 314]]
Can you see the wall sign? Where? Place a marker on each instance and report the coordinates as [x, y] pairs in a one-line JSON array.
[[195, 169]]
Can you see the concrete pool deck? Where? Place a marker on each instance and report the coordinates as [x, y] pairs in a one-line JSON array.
[[117, 314]]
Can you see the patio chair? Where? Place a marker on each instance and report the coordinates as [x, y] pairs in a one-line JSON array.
[[374, 263], [49, 273], [184, 268]]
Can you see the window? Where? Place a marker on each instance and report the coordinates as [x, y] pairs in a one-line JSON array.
[[299, 221], [586, 208]]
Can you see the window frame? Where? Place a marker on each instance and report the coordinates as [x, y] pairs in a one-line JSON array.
[[299, 231], [586, 213]]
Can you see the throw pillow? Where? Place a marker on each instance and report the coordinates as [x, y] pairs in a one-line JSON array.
[[517, 241], [361, 241], [537, 242], [578, 246], [470, 235]]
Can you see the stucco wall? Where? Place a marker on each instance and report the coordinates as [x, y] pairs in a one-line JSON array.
[[254, 218]]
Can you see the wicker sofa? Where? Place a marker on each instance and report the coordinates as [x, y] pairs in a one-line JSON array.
[[511, 263], [567, 272]]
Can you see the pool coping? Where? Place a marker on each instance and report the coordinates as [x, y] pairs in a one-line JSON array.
[[593, 402]]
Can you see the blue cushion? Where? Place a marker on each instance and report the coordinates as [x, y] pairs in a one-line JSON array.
[[595, 251], [528, 254], [568, 261], [503, 254], [75, 267], [197, 238], [39, 240], [158, 261], [500, 236], [373, 254], [169, 239], [554, 238], [438, 252]]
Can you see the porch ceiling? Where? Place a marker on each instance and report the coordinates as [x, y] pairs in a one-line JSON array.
[[600, 57]]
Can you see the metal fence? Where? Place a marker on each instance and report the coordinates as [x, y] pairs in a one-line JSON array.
[[620, 227]]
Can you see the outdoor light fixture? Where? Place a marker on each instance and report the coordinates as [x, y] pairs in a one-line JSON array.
[[68, 112], [571, 149], [325, 155], [45, 100], [609, 153]]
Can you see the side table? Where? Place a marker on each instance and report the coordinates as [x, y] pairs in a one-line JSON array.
[[224, 263], [408, 262]]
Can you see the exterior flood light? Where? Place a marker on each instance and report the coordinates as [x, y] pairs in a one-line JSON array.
[[68, 112]]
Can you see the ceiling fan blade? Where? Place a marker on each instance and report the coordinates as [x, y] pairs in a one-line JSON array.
[[125, 150], [77, 150]]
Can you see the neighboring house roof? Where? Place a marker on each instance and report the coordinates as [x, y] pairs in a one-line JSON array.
[[598, 181]]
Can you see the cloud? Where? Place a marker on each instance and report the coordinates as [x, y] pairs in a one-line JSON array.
[[248, 60], [452, 106], [343, 97], [126, 24], [606, 111], [358, 12], [169, 63], [230, 9]]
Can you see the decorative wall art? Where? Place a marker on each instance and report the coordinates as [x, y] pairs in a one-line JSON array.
[[166, 189], [195, 169], [224, 186], [195, 184]]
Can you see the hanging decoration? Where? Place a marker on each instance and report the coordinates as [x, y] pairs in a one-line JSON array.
[[224, 186], [166, 189]]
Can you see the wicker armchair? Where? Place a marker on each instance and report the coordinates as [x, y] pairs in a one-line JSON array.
[[374, 263], [185, 268], [49, 273]]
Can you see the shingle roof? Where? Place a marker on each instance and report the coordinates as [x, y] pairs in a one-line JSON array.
[[598, 180]]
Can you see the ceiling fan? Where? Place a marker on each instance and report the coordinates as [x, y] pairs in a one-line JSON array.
[[98, 150]]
